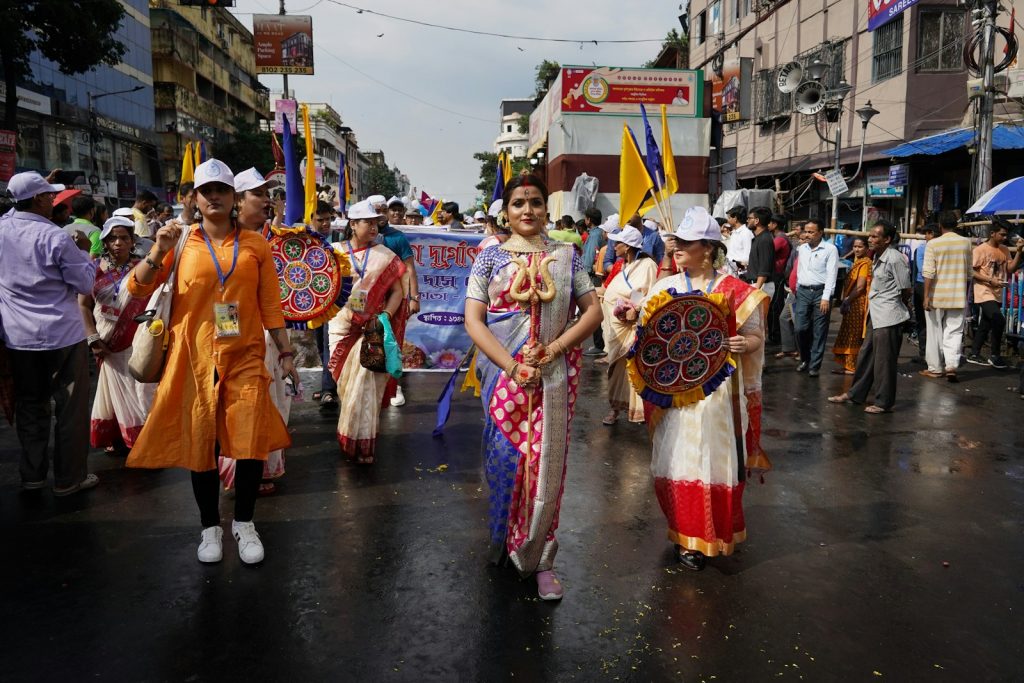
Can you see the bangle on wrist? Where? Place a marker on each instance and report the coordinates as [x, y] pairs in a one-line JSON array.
[[285, 354], [153, 264], [92, 339]]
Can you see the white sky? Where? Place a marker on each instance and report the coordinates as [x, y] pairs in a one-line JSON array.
[[463, 73]]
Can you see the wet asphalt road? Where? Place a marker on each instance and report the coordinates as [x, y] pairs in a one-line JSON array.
[[379, 574]]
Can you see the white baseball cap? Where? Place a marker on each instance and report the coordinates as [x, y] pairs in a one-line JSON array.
[[376, 199], [124, 211], [116, 222], [479, 215], [396, 201], [29, 184], [610, 223], [698, 224], [629, 236], [250, 179], [213, 171], [650, 225], [364, 209]]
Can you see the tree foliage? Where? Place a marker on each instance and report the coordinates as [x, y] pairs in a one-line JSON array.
[[250, 147], [489, 171], [381, 180], [523, 124], [78, 36], [672, 39], [546, 72]]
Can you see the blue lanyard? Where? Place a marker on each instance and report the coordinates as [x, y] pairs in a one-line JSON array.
[[352, 257], [120, 279], [710, 286], [216, 263]]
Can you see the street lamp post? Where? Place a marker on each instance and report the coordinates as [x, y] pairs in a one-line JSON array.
[[93, 134]]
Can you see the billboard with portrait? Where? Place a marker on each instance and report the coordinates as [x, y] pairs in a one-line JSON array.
[[612, 90], [283, 43]]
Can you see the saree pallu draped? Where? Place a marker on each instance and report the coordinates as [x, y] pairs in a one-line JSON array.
[[851, 331], [526, 492], [618, 334], [699, 475], [122, 403], [361, 392]]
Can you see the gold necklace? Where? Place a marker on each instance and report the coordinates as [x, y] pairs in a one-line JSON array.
[[517, 244]]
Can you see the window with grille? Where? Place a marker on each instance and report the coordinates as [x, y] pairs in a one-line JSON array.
[[887, 55], [940, 44], [769, 102]]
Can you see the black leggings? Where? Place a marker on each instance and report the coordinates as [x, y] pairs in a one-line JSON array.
[[206, 487]]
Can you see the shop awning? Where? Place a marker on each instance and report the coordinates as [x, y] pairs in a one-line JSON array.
[[1003, 137]]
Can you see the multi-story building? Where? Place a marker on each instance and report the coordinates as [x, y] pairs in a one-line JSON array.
[[329, 133], [510, 139], [909, 68], [204, 70], [97, 125]]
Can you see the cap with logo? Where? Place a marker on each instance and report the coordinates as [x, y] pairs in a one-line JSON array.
[[376, 199], [29, 184], [213, 171], [396, 201], [363, 209], [116, 222], [697, 224], [250, 179], [629, 236]]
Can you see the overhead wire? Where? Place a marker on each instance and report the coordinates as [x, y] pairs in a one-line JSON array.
[[492, 34]]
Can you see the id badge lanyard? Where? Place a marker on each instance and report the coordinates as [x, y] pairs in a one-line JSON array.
[[216, 263]]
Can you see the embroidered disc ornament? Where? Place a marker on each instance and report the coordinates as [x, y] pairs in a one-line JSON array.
[[680, 354], [308, 274]]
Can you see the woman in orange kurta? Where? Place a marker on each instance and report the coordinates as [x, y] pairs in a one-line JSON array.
[[854, 309], [213, 397]]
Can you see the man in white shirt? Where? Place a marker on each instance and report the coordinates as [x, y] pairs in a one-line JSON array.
[[817, 267], [740, 239]]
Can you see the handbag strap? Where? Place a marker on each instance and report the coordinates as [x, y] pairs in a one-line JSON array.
[[168, 285]]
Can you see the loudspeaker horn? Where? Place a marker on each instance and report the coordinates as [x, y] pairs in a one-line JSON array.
[[810, 97], [789, 77]]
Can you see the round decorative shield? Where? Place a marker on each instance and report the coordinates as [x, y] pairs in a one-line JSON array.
[[683, 345], [308, 275]]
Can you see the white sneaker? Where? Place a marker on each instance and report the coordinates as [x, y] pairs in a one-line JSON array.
[[399, 400], [250, 548], [211, 548]]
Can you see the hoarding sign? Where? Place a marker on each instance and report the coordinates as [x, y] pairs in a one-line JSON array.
[[880, 12], [287, 108], [730, 92], [899, 175], [8, 150], [879, 187], [611, 90], [283, 43]]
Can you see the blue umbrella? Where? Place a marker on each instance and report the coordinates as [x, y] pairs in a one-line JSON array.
[[1007, 197]]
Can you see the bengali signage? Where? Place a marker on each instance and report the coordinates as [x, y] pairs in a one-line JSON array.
[[283, 43], [899, 175], [8, 152], [436, 338], [879, 187], [730, 91], [880, 12], [611, 90]]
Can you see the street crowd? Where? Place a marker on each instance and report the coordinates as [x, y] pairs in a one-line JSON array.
[[78, 285]]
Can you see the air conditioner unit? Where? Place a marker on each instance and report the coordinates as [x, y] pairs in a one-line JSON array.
[[1015, 82]]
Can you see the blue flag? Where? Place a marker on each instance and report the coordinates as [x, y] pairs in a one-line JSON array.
[[652, 155], [295, 197], [499, 180]]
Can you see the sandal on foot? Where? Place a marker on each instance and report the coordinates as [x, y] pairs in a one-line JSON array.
[[841, 398], [267, 488], [876, 410], [548, 586], [611, 418]]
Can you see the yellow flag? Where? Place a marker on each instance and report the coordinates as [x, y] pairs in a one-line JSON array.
[[506, 166], [634, 181], [667, 160], [310, 168], [187, 167], [433, 214]]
